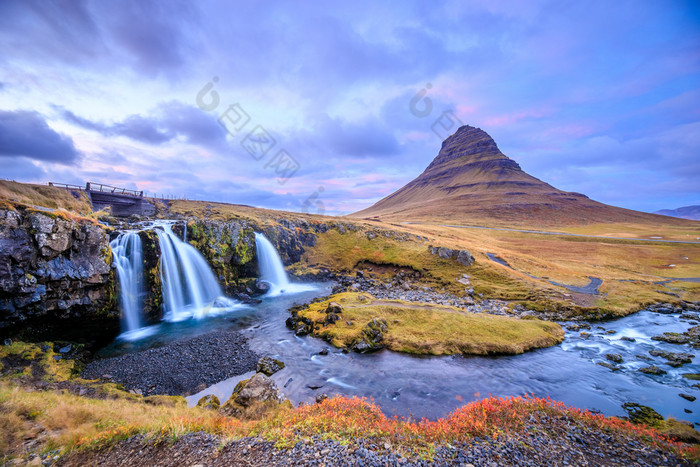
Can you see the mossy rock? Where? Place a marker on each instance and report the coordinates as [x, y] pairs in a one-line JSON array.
[[269, 366], [637, 414], [210, 401]]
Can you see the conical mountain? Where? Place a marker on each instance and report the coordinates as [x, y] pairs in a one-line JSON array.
[[472, 182]]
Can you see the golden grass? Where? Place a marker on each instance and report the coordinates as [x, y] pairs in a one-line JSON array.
[[45, 196], [571, 260], [63, 420], [427, 329]]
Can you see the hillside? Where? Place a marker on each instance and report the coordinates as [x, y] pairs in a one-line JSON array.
[[472, 182]]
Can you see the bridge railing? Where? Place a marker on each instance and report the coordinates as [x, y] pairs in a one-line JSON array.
[[112, 189], [67, 186]]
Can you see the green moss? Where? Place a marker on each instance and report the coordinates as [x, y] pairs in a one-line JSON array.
[[244, 251]]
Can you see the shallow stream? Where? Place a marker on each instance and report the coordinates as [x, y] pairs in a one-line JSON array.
[[434, 386]]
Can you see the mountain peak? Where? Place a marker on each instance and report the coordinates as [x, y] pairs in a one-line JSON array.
[[472, 179], [467, 140]]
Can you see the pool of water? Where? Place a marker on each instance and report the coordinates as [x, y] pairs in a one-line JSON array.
[[434, 386]]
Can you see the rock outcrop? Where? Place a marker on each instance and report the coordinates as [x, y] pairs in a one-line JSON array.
[[55, 277], [372, 336], [462, 256], [253, 397]]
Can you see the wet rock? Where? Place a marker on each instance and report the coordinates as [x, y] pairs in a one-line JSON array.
[[675, 359], [209, 401], [643, 414], [262, 287], [672, 338], [688, 397], [321, 397], [323, 351], [614, 357], [609, 366], [578, 326], [652, 370], [269, 366], [628, 339]]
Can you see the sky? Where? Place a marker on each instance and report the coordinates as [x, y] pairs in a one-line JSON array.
[[328, 107]]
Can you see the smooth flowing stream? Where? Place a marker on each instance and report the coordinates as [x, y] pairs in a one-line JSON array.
[[434, 386]]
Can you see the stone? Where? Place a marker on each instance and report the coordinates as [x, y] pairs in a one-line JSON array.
[[259, 388], [321, 397], [209, 401], [614, 357], [331, 319], [262, 287], [371, 337], [269, 366], [334, 307], [609, 366], [675, 359], [688, 397], [652, 370]]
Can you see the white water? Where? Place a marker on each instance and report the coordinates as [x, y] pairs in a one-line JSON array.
[[128, 258], [272, 270], [190, 289]]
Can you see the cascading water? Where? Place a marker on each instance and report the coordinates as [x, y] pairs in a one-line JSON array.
[[272, 270], [189, 286], [128, 258]]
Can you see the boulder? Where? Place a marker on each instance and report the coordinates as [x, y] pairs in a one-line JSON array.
[[262, 287], [269, 366], [614, 357], [258, 391], [334, 307], [461, 256]]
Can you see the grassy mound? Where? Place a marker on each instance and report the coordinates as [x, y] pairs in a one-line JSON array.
[[422, 328]]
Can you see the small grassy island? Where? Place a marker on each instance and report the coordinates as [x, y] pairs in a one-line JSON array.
[[360, 322]]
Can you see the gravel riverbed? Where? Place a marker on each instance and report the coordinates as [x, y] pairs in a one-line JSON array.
[[180, 368]]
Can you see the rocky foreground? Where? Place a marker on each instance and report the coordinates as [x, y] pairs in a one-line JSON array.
[[547, 441]]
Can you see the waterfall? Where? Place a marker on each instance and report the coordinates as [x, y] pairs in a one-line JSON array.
[[272, 270], [189, 286], [128, 258]]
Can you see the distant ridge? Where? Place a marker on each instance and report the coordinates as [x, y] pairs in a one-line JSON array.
[[472, 181], [686, 212]]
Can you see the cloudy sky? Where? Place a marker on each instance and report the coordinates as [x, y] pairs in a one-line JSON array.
[[292, 104]]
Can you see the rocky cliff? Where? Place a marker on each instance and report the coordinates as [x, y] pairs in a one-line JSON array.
[[56, 279]]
